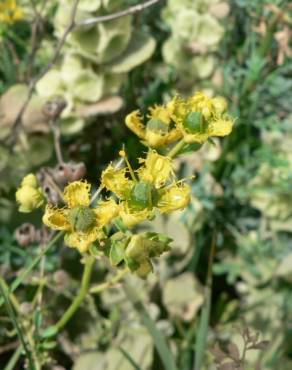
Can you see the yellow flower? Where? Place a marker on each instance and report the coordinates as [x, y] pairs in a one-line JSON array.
[[29, 195], [154, 189], [201, 117], [10, 12], [157, 169], [131, 218], [158, 130], [83, 225], [116, 181], [176, 197]]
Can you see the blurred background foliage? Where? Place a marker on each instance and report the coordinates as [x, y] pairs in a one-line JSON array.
[[242, 198]]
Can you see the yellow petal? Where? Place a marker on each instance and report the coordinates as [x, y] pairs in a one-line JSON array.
[[116, 181], [56, 218], [77, 194], [172, 136], [199, 137], [176, 197], [157, 169], [135, 124], [160, 112], [82, 241], [106, 212], [131, 218], [220, 127], [155, 139]]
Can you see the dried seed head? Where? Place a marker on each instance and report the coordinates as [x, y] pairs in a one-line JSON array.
[[54, 107], [75, 171], [26, 234], [69, 172], [61, 279]]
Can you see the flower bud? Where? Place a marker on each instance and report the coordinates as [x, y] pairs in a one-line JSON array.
[[29, 198], [30, 180], [219, 104]]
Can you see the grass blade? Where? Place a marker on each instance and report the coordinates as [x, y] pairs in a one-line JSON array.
[[13, 360], [33, 263], [130, 359], [201, 335], [12, 315], [158, 339]]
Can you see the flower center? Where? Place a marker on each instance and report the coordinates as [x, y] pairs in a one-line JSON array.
[[143, 195], [156, 125], [82, 218], [194, 122]]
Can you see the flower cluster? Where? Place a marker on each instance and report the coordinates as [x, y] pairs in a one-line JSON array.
[[152, 188], [194, 119], [82, 224], [92, 223], [10, 12]]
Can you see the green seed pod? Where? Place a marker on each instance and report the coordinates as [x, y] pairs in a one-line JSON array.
[[82, 218], [194, 122], [143, 195]]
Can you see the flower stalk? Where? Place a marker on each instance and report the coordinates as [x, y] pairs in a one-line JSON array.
[[86, 277]]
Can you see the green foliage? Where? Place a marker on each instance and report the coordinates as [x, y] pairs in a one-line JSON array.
[[241, 192]]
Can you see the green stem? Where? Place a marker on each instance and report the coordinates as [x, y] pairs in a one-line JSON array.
[[176, 149], [116, 279], [80, 297]]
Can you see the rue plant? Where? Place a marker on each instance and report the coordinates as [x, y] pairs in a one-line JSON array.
[[100, 225]]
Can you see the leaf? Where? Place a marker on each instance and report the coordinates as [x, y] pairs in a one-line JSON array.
[[284, 270], [117, 253], [49, 332], [107, 105], [140, 48], [10, 104], [90, 361], [183, 296]]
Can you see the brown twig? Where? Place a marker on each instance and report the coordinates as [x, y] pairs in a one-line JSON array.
[[110, 17], [55, 127], [72, 24], [36, 38]]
